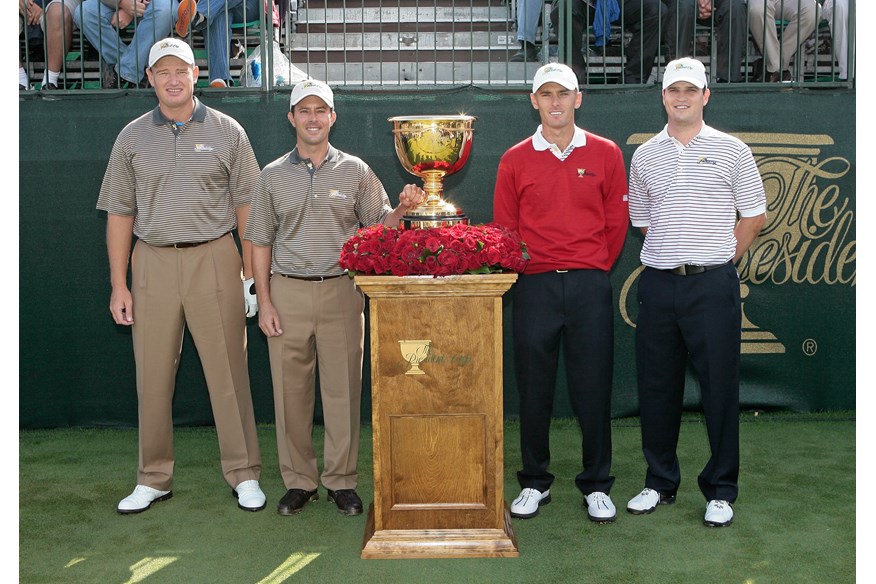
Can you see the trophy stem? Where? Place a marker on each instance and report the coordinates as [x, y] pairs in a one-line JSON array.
[[433, 184]]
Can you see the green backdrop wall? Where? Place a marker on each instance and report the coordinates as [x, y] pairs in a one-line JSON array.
[[76, 366]]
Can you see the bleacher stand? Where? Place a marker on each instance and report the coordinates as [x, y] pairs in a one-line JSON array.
[[413, 42]]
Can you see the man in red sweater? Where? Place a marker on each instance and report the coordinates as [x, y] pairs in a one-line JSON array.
[[564, 190]]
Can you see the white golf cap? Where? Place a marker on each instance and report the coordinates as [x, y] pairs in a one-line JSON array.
[[556, 73], [171, 47], [685, 69], [312, 87]]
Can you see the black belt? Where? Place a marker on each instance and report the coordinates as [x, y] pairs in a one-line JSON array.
[[186, 244], [311, 278], [691, 269]]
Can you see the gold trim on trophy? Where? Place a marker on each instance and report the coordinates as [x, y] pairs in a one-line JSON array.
[[432, 148]]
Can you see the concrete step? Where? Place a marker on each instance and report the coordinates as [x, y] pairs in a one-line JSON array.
[[423, 15], [413, 73], [404, 40]]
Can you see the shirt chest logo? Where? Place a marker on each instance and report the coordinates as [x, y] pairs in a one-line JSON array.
[[203, 148]]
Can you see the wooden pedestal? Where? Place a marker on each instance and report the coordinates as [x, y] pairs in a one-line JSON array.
[[436, 385]]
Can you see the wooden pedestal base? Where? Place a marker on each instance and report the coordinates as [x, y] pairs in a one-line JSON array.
[[438, 543]]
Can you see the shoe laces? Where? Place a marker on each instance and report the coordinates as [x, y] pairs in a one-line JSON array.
[[719, 505], [247, 486], [598, 499]]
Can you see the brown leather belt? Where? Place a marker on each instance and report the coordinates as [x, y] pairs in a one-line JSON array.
[[311, 278], [691, 269]]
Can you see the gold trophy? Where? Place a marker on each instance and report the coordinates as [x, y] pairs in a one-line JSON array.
[[433, 147]]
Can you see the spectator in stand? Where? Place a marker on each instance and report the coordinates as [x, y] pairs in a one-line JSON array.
[[125, 65], [727, 17], [642, 18], [215, 17], [58, 31], [837, 16], [30, 14], [801, 17], [528, 14]]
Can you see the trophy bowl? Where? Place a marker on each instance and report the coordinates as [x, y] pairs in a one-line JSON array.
[[433, 147]]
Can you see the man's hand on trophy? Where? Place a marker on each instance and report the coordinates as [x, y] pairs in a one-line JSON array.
[[411, 196]]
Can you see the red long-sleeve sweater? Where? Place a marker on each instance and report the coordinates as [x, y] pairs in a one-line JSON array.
[[572, 213]]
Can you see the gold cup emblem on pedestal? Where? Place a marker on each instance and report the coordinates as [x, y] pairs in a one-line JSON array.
[[432, 148], [414, 353]]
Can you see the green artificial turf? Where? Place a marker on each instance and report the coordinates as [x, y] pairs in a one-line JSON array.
[[794, 523]]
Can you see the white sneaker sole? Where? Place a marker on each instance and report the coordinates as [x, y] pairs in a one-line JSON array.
[[544, 501], [141, 509]]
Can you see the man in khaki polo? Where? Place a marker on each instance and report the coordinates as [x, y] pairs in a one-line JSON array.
[[306, 205], [179, 178]]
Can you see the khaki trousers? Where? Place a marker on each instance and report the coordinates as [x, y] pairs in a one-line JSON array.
[[802, 16], [198, 287], [323, 325]]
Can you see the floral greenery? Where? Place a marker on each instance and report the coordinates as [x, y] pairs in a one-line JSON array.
[[436, 251]]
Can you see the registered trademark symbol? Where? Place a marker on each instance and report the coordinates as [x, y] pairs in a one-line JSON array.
[[810, 347]]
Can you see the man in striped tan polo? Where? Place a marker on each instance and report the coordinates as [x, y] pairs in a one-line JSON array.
[[697, 196], [306, 205], [179, 178]]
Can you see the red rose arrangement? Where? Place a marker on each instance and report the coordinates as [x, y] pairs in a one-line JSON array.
[[437, 251]]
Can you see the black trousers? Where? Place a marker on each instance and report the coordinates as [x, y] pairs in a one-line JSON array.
[[697, 316], [643, 18], [731, 29], [572, 309]]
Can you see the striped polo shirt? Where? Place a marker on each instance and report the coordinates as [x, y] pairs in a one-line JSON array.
[[181, 183], [308, 213], [689, 196]]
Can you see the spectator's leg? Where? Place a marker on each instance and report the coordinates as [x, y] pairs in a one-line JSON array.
[[679, 27], [154, 26], [838, 17], [762, 24], [732, 34], [95, 24], [528, 13], [219, 20], [576, 43], [643, 18], [59, 39], [802, 16]]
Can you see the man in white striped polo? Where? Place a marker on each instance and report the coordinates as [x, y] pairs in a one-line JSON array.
[[179, 178], [306, 205], [698, 198]]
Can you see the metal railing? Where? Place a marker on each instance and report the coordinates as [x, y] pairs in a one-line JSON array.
[[401, 43]]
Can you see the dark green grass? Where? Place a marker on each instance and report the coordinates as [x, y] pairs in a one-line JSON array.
[[795, 517]]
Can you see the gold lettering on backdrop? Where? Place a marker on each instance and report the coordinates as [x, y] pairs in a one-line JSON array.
[[809, 235]]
